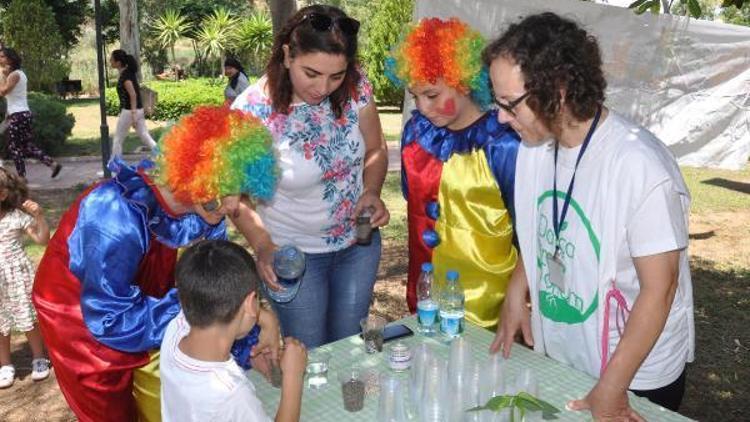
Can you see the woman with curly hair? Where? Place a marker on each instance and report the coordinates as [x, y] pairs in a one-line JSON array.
[[458, 165], [602, 224]]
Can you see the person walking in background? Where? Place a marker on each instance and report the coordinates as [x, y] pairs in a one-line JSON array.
[[131, 105], [333, 158], [18, 216], [18, 116], [237, 79]]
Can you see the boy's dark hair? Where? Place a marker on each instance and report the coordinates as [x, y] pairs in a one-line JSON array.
[[213, 279], [303, 38], [554, 53]]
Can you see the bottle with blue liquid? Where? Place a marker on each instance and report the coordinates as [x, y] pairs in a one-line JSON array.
[[427, 305], [452, 306], [289, 265]]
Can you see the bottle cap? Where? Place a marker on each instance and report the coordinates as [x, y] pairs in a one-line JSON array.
[[452, 275], [426, 267]]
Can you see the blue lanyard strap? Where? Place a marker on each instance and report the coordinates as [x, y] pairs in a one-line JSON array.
[[558, 222]]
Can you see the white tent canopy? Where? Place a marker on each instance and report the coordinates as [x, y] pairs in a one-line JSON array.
[[686, 80]]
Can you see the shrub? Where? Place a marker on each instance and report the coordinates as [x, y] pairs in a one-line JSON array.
[[52, 124], [176, 98], [29, 27], [384, 29]]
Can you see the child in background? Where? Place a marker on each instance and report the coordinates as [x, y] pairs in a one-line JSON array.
[[217, 284], [19, 215]]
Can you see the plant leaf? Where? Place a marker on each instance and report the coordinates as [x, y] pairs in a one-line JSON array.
[[535, 404], [496, 404], [695, 8], [636, 3]]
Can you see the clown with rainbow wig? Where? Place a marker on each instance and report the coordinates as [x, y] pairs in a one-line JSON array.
[[105, 290], [458, 165]]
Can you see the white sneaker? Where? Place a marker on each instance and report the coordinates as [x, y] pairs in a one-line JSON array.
[[7, 376], [39, 369]]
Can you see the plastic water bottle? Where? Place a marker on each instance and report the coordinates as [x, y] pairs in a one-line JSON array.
[[289, 265], [452, 306], [427, 306]]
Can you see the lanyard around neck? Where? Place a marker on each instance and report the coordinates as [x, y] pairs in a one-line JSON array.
[[558, 221]]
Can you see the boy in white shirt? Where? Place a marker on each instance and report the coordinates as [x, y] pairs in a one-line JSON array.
[[218, 290]]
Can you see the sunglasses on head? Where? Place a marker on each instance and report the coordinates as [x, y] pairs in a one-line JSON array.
[[321, 23]]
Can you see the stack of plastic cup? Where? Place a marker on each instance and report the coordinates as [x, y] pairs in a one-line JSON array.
[[391, 401], [422, 355], [433, 406], [459, 366], [491, 384]]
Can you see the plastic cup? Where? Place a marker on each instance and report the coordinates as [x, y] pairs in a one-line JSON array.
[[317, 368], [460, 357], [352, 388], [364, 227], [434, 407], [391, 401], [372, 333]]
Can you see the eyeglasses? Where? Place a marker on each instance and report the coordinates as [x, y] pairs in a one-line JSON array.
[[321, 22], [508, 108]]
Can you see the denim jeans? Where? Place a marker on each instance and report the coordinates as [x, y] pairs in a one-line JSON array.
[[335, 294]]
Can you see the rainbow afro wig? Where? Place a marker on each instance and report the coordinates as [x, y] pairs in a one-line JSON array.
[[215, 152], [442, 49]]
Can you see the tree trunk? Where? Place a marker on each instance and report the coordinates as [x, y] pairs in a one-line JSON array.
[[281, 11], [129, 34]]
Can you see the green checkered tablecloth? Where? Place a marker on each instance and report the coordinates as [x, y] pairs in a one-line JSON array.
[[557, 383]]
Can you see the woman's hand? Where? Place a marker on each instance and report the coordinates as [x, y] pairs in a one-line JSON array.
[[264, 261], [380, 215]]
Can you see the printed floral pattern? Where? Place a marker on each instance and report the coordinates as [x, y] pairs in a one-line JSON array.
[[335, 145]]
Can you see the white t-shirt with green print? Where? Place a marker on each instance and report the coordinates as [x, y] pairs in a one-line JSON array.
[[629, 200]]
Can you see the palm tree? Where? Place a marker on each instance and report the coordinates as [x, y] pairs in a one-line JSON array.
[[254, 37], [215, 36], [170, 28]]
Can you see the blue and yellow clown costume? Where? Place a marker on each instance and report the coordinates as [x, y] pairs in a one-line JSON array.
[[104, 290], [458, 184]]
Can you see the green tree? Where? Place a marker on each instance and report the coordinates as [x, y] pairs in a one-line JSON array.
[[388, 20], [737, 16], [29, 27], [254, 39], [215, 36], [694, 8], [69, 15], [170, 28]]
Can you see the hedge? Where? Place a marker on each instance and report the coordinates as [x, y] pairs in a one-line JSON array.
[[52, 124], [176, 99]]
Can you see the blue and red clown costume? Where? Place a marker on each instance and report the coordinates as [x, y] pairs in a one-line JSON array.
[[458, 184], [104, 290]]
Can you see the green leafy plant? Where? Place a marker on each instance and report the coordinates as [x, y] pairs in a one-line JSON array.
[[522, 401], [388, 20], [254, 39], [176, 98], [691, 7], [51, 124], [170, 28], [215, 36]]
